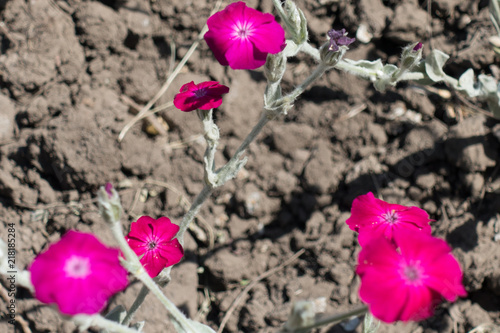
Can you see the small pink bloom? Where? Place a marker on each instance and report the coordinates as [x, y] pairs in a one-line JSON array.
[[372, 218], [405, 279], [78, 273], [109, 189], [153, 240], [241, 37], [204, 96], [417, 47]]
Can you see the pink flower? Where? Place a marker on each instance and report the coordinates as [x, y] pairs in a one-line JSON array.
[[153, 240], [204, 96], [372, 218], [405, 279], [241, 37], [78, 273]]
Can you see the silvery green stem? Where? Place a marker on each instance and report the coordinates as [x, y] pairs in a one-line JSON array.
[[175, 313], [193, 210], [136, 305], [316, 74], [311, 50], [329, 320], [85, 321], [134, 266], [342, 316], [211, 134], [281, 12], [227, 169], [264, 119]]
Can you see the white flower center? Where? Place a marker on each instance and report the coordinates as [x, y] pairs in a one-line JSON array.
[[391, 217], [77, 267], [243, 30]]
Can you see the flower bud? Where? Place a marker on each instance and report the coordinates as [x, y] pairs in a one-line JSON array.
[[109, 203], [297, 22], [275, 67], [411, 56], [329, 57]]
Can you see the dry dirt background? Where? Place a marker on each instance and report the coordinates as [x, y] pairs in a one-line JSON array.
[[68, 69]]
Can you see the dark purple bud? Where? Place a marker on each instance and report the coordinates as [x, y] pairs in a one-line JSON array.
[[417, 47], [108, 189], [339, 38]]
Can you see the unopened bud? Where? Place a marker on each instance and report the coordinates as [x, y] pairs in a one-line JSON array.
[[275, 67], [297, 22], [329, 57], [411, 56], [109, 203]]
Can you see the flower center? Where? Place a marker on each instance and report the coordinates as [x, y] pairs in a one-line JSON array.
[[77, 267], [412, 273], [243, 30], [152, 245], [200, 92], [242, 33], [391, 217]]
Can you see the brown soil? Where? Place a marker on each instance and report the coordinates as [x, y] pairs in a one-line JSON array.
[[65, 65]]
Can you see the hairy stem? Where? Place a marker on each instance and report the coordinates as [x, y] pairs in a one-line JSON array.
[[85, 321], [136, 305]]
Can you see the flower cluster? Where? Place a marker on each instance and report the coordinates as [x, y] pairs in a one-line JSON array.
[[80, 274], [404, 270]]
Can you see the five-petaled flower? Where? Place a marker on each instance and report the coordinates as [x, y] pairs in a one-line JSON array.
[[372, 218], [204, 96], [339, 38], [78, 273], [406, 278], [241, 37], [153, 241]]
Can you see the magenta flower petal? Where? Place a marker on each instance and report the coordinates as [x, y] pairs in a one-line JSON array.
[[166, 229], [78, 273], [153, 241], [173, 253], [243, 55], [445, 276], [373, 218], [241, 37], [269, 37], [406, 277], [444, 273], [203, 96]]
